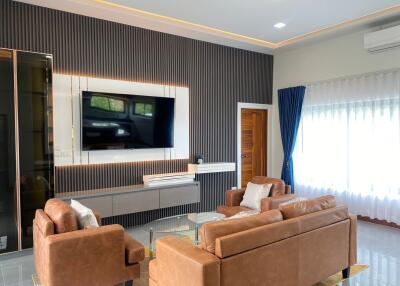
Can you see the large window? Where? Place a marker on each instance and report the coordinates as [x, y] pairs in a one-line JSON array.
[[349, 144]]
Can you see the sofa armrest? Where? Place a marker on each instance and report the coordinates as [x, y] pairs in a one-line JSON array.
[[271, 203], [98, 216], [68, 254], [233, 198], [180, 263], [353, 240], [134, 250]]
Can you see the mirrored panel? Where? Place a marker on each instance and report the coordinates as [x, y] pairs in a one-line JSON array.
[[35, 137], [8, 199]]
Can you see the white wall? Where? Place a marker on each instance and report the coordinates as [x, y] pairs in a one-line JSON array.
[[67, 91], [338, 57]]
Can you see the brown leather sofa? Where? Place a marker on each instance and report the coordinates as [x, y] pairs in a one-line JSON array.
[[280, 193], [297, 245], [65, 255]]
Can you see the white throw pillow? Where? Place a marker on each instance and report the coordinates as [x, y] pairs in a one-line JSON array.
[[243, 214], [254, 194], [86, 217]]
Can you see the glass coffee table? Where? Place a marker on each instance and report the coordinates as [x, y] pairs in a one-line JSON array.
[[180, 225]]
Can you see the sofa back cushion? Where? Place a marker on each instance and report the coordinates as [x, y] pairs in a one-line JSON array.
[[308, 206], [209, 232], [278, 186], [254, 238], [62, 215]]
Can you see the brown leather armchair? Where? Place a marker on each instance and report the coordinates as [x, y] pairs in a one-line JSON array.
[[66, 255], [280, 193]]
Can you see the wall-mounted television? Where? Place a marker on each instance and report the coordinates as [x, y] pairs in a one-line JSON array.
[[120, 121]]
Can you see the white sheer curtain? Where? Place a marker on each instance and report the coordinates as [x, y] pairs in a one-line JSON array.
[[348, 144]]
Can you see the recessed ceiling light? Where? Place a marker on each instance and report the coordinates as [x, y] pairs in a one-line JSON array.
[[279, 25]]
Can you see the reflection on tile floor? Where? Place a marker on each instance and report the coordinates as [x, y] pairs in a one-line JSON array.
[[378, 246]]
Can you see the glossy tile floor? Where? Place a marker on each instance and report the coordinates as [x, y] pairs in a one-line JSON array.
[[378, 246]]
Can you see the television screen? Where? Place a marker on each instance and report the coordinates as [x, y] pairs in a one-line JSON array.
[[120, 121]]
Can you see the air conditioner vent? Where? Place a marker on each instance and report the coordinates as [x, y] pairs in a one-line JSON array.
[[382, 40]]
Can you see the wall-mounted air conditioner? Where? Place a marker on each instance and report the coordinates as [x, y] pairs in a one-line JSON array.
[[382, 40]]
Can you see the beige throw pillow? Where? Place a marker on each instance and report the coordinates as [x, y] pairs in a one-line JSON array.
[[254, 194], [86, 217]]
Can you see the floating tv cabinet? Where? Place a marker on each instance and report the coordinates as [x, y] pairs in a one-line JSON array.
[[136, 198]]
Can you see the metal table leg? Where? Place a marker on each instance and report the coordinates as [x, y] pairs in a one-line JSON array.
[[151, 246], [196, 235]]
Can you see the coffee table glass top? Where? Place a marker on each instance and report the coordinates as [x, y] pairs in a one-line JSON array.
[[182, 223]]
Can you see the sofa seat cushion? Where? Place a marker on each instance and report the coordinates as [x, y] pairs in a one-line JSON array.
[[62, 215], [308, 206], [209, 232], [230, 211], [134, 250]]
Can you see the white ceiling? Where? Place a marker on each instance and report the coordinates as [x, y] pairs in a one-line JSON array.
[[239, 23], [255, 18]]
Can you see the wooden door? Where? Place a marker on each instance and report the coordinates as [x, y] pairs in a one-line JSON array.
[[254, 144]]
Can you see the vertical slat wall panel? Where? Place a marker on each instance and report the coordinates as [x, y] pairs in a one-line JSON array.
[[218, 77]]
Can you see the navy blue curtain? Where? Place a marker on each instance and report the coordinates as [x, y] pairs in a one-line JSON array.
[[290, 102]]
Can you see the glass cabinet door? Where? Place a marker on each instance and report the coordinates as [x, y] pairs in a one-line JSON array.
[[35, 137], [8, 195]]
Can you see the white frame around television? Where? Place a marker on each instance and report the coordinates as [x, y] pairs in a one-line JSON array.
[[67, 92], [245, 105]]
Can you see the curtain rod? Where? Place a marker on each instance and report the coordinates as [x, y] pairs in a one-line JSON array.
[[351, 76]]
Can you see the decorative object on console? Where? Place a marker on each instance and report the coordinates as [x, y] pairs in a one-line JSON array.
[[212, 167], [86, 217], [168, 179], [199, 159]]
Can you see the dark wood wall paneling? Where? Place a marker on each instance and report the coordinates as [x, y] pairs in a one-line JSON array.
[[218, 78]]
